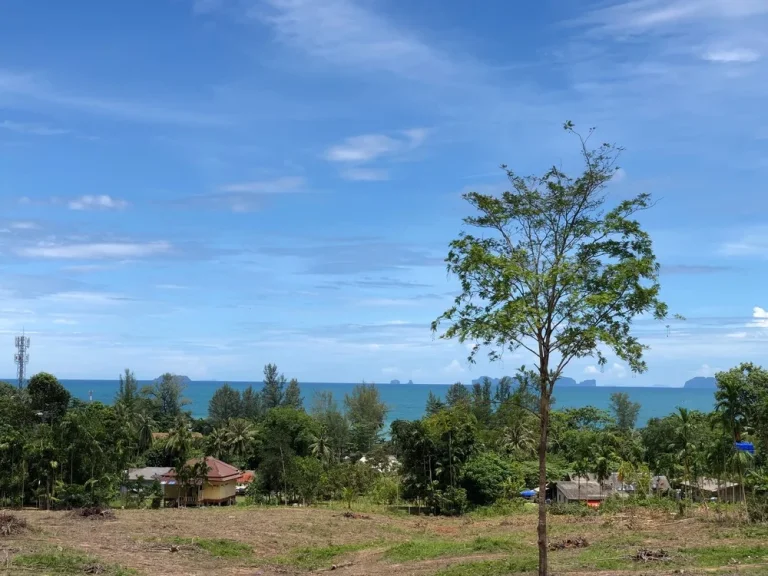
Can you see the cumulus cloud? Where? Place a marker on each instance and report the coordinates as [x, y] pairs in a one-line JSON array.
[[759, 318], [454, 367], [100, 202]]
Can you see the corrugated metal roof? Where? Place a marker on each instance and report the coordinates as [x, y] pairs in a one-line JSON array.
[[218, 471], [588, 491], [148, 473]]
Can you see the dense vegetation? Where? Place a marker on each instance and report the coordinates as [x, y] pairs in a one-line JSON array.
[[476, 447]]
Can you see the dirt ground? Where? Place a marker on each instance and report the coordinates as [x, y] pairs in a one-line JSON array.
[[291, 541]]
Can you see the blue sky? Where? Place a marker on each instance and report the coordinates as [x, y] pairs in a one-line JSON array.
[[205, 186]]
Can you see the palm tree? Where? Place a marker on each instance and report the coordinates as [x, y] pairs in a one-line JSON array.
[[320, 448], [240, 434], [730, 407], [683, 442], [603, 463], [518, 438], [217, 443], [143, 427], [581, 468], [179, 441]]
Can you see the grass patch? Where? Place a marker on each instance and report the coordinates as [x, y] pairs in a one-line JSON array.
[[416, 550], [605, 557], [68, 562], [726, 555], [218, 547], [319, 557], [515, 565]]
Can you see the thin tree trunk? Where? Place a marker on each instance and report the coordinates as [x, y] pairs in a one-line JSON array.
[[543, 429]]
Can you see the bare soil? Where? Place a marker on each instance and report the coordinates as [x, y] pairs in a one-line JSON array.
[[162, 542]]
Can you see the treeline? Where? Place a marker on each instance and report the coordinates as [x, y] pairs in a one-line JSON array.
[[475, 447]]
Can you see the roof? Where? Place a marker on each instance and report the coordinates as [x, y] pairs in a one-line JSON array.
[[246, 477], [218, 471], [708, 484], [589, 490], [149, 473], [589, 477]]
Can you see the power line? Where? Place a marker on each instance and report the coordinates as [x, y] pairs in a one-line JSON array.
[[22, 357]]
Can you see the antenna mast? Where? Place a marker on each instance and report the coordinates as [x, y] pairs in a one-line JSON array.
[[22, 357]]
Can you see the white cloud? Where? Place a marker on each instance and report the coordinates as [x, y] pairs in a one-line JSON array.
[[365, 175], [23, 226], [31, 129], [368, 147], [737, 335], [65, 321], [96, 250], [760, 318], [171, 287], [735, 55], [32, 90], [363, 148], [100, 202], [390, 371], [454, 367], [704, 370], [754, 242], [276, 186], [616, 370], [643, 16], [591, 370]]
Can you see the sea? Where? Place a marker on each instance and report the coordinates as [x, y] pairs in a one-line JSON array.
[[407, 401]]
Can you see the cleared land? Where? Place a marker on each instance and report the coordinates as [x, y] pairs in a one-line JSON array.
[[289, 541]]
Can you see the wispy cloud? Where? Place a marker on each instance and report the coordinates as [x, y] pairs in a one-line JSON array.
[[365, 175], [100, 202], [730, 56], [248, 196], [31, 129], [95, 251], [753, 242], [277, 186], [693, 269], [26, 89], [370, 147]]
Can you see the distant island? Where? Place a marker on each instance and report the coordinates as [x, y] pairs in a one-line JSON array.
[[180, 379], [701, 382], [398, 382], [563, 382]]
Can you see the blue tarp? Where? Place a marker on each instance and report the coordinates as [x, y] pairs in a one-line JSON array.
[[745, 447], [528, 493]]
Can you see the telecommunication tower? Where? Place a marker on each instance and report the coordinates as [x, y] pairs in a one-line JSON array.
[[22, 357]]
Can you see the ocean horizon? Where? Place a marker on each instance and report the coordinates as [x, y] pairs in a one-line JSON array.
[[407, 401]]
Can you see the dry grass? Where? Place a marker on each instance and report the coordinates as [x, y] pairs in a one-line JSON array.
[[291, 541]]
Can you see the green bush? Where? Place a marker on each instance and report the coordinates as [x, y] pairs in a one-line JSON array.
[[572, 509]]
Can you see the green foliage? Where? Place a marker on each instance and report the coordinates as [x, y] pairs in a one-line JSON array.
[[225, 403], [624, 411], [217, 547], [67, 562], [166, 400], [320, 557], [418, 550], [366, 414], [47, 396], [487, 477]]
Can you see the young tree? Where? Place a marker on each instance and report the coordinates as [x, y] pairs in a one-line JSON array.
[[292, 398], [273, 393], [557, 273], [366, 413], [128, 393], [457, 394], [47, 396], [624, 411], [225, 403], [434, 404]]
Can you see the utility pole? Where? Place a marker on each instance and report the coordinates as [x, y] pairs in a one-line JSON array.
[[22, 357]]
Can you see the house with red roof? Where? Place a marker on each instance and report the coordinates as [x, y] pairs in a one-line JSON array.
[[213, 483]]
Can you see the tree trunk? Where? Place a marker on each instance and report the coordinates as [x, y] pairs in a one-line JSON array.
[[543, 429]]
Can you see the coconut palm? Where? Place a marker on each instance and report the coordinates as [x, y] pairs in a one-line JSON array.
[[518, 438], [683, 442], [217, 443], [179, 442], [240, 435], [731, 408], [320, 447], [143, 426]]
